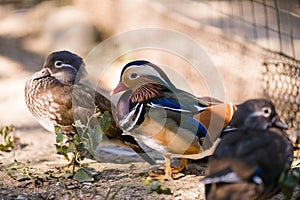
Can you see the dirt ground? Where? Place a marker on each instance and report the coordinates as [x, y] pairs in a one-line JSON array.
[[118, 175]]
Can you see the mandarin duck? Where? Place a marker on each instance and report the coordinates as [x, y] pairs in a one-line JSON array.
[[248, 162], [165, 118], [57, 96]]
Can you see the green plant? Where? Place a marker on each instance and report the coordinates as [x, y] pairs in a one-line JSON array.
[[82, 143], [19, 171], [289, 181], [6, 139], [22, 172], [69, 143], [156, 185]]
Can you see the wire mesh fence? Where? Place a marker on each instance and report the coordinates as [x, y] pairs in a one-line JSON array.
[[280, 77], [273, 25]]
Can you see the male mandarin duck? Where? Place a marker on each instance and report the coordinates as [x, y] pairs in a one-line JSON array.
[[248, 162], [57, 96], [165, 118]]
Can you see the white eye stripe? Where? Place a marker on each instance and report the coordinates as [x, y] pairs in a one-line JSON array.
[[265, 111], [58, 65], [148, 70]]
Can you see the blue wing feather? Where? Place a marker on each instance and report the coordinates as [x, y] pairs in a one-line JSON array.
[[175, 105], [187, 122], [191, 123], [166, 103]]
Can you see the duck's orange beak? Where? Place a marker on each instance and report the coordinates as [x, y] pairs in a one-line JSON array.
[[120, 87]]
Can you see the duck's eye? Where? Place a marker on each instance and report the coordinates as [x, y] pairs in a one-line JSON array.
[[266, 111], [58, 63], [133, 76]]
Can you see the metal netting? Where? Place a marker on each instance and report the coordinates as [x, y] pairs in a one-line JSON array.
[[273, 25], [281, 84]]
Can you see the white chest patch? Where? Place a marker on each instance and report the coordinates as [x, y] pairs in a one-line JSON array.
[[152, 143], [46, 123]]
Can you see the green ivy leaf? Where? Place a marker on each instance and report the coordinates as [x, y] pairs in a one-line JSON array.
[[59, 136], [83, 175], [157, 186], [105, 121], [6, 139], [18, 175], [72, 147], [15, 165], [77, 139], [62, 150], [287, 182], [95, 137], [82, 147], [18, 171], [88, 140]]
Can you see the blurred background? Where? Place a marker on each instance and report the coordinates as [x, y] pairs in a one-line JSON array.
[[253, 44]]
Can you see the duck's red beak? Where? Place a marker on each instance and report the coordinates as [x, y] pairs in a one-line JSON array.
[[120, 87]]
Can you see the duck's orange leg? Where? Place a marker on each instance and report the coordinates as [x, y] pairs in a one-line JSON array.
[[168, 171], [182, 166]]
